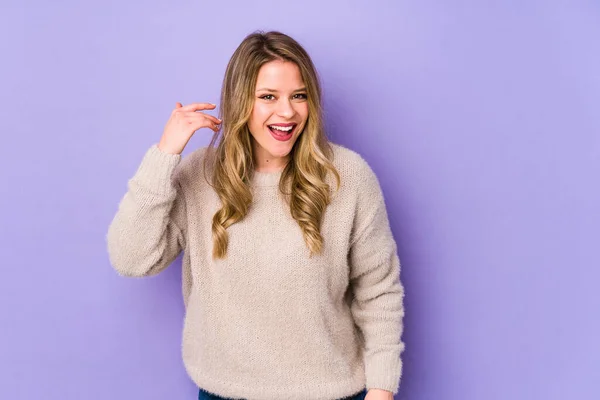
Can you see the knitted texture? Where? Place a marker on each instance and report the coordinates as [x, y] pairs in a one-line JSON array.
[[268, 321]]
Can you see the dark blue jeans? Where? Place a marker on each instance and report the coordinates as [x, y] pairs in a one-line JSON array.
[[204, 395]]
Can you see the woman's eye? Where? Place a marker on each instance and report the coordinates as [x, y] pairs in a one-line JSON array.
[[301, 96]]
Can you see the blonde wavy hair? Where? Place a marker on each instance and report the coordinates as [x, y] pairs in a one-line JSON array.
[[303, 178]]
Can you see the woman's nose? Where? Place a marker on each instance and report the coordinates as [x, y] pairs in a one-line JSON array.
[[285, 109]]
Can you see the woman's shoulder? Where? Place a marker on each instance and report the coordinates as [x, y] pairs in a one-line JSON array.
[[351, 165], [359, 183], [191, 169]]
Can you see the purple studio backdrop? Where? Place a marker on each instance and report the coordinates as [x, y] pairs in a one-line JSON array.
[[481, 119]]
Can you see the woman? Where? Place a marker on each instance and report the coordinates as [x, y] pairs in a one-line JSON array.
[[290, 273]]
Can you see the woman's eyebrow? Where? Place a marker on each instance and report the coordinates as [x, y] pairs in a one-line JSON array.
[[303, 89]]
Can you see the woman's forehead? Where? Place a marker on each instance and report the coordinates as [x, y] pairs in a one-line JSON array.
[[279, 76]]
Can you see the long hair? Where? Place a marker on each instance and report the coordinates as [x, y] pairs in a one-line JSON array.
[[303, 178]]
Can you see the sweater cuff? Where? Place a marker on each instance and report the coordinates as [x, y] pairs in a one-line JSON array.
[[383, 371], [155, 170]]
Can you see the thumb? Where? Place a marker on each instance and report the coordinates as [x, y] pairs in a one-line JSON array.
[[178, 105]]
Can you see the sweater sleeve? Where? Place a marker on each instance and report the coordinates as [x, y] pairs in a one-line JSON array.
[[148, 231], [377, 306]]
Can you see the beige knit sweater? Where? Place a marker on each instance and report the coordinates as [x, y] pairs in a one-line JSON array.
[[268, 322]]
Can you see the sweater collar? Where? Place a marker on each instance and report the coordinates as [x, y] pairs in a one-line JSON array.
[[265, 179]]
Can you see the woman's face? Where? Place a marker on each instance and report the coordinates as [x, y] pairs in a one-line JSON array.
[[279, 113]]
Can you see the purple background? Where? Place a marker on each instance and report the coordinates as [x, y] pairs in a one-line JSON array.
[[481, 119]]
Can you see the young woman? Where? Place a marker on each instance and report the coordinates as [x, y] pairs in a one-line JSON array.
[[291, 278]]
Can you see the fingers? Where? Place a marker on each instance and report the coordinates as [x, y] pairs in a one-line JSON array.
[[202, 115], [216, 120], [199, 120], [196, 115], [198, 106], [192, 108], [205, 124]]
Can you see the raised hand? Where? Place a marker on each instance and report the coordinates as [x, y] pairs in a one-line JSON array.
[[184, 121]]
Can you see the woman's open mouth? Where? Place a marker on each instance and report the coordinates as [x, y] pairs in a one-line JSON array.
[[282, 132]]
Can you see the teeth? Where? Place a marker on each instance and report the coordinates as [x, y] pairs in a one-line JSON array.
[[281, 128]]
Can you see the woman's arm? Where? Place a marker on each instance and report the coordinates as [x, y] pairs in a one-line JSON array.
[[377, 306], [148, 231]]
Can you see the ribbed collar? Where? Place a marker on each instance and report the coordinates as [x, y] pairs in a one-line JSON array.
[[265, 179]]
